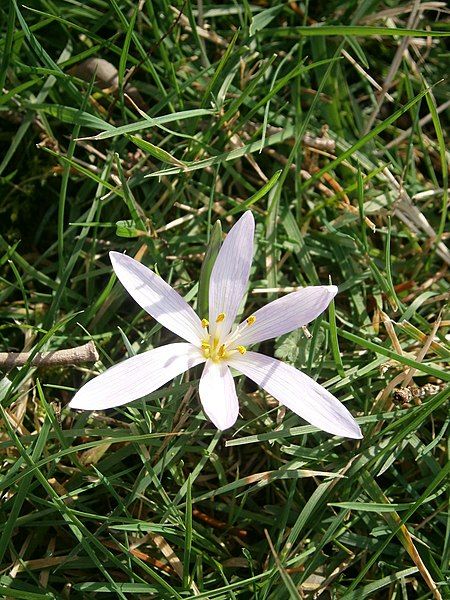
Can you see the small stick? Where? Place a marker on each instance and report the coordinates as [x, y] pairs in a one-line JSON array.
[[364, 73], [423, 351], [70, 356]]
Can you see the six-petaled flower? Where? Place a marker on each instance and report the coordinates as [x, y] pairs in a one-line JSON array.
[[218, 344]]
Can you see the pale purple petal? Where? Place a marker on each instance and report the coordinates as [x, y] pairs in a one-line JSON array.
[[287, 313], [218, 394], [158, 298], [136, 377], [298, 392], [229, 276]]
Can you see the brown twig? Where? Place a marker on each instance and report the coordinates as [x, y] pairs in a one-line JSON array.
[[70, 356]]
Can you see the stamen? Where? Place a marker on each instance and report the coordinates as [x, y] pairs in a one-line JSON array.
[[241, 349], [206, 347], [205, 323], [221, 351], [251, 320], [220, 317]]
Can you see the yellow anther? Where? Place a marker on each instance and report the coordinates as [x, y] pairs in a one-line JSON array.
[[205, 323], [251, 320], [241, 349], [220, 317], [206, 345], [221, 351]]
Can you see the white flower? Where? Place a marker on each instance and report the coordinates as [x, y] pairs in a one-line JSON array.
[[217, 344]]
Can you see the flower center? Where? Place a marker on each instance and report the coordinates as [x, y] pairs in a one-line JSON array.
[[215, 349]]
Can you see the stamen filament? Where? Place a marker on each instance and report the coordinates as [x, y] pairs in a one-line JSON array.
[[233, 337]]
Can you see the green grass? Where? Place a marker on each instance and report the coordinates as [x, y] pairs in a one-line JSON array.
[[149, 500]]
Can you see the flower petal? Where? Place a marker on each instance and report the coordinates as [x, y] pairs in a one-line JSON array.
[[229, 276], [136, 377], [218, 394], [287, 313], [158, 298], [298, 392]]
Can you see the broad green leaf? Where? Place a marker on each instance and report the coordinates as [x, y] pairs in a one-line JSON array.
[[212, 251]]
